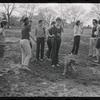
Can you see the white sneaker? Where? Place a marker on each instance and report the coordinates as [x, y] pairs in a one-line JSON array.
[[96, 61], [53, 65], [25, 67], [71, 53]]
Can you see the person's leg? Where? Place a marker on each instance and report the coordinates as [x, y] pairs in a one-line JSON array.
[[77, 44], [94, 47], [53, 57], [74, 46], [91, 47], [42, 47], [58, 47], [23, 51], [1, 55], [38, 48], [28, 52], [49, 47], [97, 54], [97, 51]]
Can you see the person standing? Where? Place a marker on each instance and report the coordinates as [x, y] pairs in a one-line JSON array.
[[92, 49], [98, 44], [77, 33], [40, 39], [25, 43], [48, 54], [2, 40], [56, 31]]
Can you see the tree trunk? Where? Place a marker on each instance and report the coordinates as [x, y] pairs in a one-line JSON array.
[[8, 20]]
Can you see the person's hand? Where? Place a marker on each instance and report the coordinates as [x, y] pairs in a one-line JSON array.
[[52, 35], [45, 39], [58, 34], [95, 33]]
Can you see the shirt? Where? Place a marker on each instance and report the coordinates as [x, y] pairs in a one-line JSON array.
[[94, 29], [53, 30], [25, 32], [2, 37], [40, 32], [48, 32], [77, 30]]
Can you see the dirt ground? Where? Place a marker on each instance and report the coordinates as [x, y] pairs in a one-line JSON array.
[[43, 80]]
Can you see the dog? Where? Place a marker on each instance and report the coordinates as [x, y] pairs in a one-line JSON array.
[[69, 61]]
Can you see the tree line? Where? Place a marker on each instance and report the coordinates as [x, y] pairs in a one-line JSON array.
[[68, 12]]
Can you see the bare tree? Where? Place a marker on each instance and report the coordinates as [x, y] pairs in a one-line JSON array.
[[28, 10], [8, 10], [95, 11], [61, 10], [47, 14], [74, 13]]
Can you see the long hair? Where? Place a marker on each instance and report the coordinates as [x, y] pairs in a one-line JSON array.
[[77, 22], [53, 23]]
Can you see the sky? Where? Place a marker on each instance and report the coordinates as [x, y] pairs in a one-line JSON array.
[[87, 6]]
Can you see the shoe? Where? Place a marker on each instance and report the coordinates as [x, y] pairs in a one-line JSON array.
[[90, 55], [25, 67], [53, 65], [71, 53], [41, 59], [57, 65], [48, 59], [96, 61], [37, 59]]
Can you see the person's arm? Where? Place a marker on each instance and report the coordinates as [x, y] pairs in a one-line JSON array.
[[81, 30], [62, 30], [31, 35], [98, 31], [4, 33], [75, 29], [50, 31], [35, 31], [92, 32], [44, 32]]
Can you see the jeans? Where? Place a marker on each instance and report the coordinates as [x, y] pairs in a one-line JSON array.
[[56, 41], [48, 54], [76, 45], [26, 51], [40, 42], [92, 49]]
